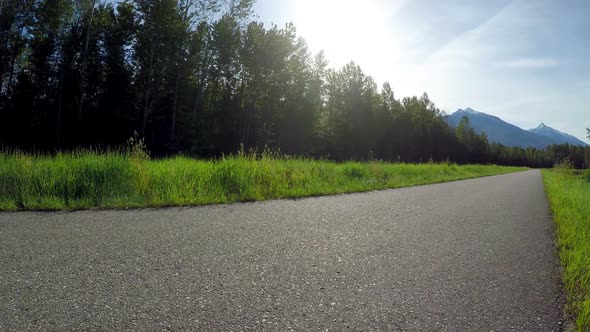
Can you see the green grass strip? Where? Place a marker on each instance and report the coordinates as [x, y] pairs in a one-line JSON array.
[[87, 179], [569, 196]]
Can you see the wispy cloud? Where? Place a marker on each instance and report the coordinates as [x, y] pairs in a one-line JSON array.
[[530, 63], [429, 26]]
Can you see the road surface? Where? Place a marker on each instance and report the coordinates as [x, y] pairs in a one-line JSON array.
[[473, 255]]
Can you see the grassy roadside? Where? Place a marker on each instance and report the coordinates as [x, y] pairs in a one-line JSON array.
[[116, 180], [569, 196]]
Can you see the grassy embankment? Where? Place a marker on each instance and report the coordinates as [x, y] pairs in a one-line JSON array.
[[569, 195], [117, 180]]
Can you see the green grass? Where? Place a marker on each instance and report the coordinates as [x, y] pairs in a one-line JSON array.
[[88, 179], [569, 195]]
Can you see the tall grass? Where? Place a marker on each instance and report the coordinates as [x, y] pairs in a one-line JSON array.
[[569, 195], [88, 179]]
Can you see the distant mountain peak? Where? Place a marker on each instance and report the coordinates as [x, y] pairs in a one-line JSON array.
[[545, 128], [556, 135], [469, 110]]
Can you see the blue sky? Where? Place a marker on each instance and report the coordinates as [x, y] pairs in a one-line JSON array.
[[526, 61]]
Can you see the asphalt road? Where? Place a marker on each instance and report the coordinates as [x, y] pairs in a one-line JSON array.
[[473, 255]]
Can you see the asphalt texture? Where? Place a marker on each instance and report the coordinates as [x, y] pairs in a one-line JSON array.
[[475, 255]]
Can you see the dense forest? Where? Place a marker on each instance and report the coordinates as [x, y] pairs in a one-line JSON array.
[[202, 78]]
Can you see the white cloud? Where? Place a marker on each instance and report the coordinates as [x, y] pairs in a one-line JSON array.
[[529, 63]]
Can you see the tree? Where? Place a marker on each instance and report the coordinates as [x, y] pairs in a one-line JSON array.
[[157, 36], [15, 19], [116, 99], [359, 102], [87, 9]]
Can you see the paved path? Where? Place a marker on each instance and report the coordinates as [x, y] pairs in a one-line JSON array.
[[472, 255]]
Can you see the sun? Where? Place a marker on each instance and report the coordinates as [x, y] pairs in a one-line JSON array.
[[347, 30]]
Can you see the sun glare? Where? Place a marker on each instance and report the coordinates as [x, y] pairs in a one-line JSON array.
[[347, 30]]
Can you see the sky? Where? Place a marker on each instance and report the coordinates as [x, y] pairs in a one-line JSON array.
[[525, 61]]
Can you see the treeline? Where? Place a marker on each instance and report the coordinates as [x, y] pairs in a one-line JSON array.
[[478, 149], [200, 77]]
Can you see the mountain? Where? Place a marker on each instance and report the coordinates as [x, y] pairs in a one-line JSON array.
[[500, 131], [556, 135]]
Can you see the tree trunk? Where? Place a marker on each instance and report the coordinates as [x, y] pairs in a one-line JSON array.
[[146, 107], [60, 97], [84, 61], [174, 107], [177, 79], [214, 92], [199, 95], [204, 74]]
